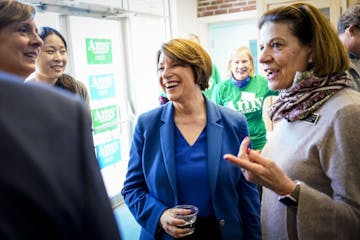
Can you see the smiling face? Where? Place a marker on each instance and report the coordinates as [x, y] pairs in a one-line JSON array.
[[19, 48], [282, 55], [176, 80], [52, 59], [241, 66]]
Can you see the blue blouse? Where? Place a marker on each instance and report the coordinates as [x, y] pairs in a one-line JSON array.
[[192, 173]]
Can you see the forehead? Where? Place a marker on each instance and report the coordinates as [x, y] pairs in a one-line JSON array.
[[271, 30], [29, 22], [240, 55], [53, 39], [165, 59]]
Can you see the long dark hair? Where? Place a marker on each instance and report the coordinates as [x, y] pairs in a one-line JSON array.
[[65, 81]]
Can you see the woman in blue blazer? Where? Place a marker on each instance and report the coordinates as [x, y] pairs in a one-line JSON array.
[[177, 152]]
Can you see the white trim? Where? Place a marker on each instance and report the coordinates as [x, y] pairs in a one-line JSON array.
[[76, 8]]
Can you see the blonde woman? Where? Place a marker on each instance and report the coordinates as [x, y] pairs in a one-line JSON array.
[[245, 92]]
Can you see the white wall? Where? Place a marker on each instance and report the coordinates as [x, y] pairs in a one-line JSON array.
[[185, 20]]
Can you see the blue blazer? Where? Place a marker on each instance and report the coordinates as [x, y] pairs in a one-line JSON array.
[[150, 186]]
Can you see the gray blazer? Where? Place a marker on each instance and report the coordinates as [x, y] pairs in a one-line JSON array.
[[354, 72], [325, 156]]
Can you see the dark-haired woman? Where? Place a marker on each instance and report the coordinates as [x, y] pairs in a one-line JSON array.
[[51, 63]]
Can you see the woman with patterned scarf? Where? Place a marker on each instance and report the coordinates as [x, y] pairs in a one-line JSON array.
[[310, 166]]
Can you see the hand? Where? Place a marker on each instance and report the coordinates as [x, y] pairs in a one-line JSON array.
[[261, 170], [169, 223]]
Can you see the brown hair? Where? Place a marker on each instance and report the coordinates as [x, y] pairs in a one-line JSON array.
[[13, 11], [313, 29], [189, 53], [236, 52], [69, 83]]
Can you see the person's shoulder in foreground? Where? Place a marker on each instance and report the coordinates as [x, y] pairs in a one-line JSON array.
[[50, 182]]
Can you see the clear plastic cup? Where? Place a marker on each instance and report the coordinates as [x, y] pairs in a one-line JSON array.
[[189, 216]]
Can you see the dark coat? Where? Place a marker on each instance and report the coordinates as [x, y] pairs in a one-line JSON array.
[[50, 183]]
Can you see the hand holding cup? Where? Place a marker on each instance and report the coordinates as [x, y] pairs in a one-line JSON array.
[[188, 213], [179, 221]]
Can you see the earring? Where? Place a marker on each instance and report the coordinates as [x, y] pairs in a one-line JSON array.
[[310, 60]]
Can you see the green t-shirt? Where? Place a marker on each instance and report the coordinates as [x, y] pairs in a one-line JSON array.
[[248, 100], [214, 79]]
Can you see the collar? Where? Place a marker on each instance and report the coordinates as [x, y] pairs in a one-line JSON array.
[[353, 55], [240, 83]]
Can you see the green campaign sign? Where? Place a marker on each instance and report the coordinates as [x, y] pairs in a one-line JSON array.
[[98, 51], [103, 116]]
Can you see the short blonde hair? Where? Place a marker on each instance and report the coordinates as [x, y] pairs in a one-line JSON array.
[[236, 52], [189, 53]]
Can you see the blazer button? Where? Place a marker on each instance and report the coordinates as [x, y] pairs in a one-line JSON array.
[[222, 223]]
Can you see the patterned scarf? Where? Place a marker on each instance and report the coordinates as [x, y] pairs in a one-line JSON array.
[[307, 94]]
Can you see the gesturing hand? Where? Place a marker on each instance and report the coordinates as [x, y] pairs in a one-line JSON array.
[[261, 170]]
